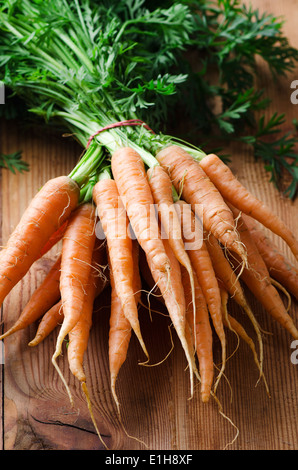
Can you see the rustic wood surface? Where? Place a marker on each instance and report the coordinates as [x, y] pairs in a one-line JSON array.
[[36, 413]]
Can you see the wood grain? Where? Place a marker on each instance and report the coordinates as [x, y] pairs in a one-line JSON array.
[[155, 408]]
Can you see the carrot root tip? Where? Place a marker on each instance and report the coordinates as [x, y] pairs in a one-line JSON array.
[[205, 397], [54, 362], [87, 396]]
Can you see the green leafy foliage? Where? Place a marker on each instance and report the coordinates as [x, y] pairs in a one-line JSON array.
[[279, 154], [118, 52], [13, 162]]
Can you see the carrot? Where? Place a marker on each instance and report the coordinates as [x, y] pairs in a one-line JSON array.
[[202, 331], [129, 173], [54, 239], [279, 267], [43, 298], [161, 188], [119, 339], [147, 276], [120, 329], [115, 226], [77, 248], [175, 302], [52, 318], [240, 331], [79, 335], [174, 299], [196, 188], [235, 193], [230, 281], [204, 271], [48, 210], [257, 278]]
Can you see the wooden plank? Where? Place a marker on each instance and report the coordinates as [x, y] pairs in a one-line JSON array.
[[1, 344], [155, 405]]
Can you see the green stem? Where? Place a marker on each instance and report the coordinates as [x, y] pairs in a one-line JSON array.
[[111, 139], [72, 46], [88, 164], [105, 174]]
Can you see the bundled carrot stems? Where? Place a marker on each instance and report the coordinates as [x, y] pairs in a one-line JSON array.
[[195, 224]]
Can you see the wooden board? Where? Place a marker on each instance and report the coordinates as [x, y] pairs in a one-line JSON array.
[[36, 413]]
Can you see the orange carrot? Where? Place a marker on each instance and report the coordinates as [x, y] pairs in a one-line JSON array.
[[188, 339], [161, 188], [235, 193], [240, 331], [120, 329], [131, 179], [79, 335], [43, 298], [147, 276], [203, 333], [47, 211], [173, 295], [230, 281], [51, 319], [54, 239], [54, 317], [77, 249], [257, 278], [196, 189], [203, 268], [115, 226], [279, 267]]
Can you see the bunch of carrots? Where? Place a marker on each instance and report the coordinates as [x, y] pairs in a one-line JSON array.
[[194, 201]]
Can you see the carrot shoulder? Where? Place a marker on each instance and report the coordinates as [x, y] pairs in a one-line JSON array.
[[48, 210], [235, 193]]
